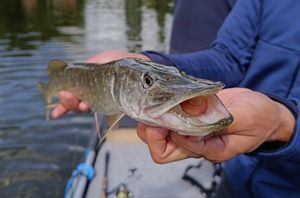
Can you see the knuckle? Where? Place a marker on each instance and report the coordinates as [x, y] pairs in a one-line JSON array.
[[217, 160], [213, 159], [158, 159], [221, 157]]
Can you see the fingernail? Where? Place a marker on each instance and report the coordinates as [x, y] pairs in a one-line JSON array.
[[54, 114], [84, 107], [63, 94]]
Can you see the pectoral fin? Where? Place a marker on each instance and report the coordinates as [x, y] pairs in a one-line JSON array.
[[97, 125], [44, 89], [113, 120], [56, 66]]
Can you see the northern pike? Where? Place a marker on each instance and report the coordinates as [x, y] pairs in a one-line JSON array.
[[144, 90]]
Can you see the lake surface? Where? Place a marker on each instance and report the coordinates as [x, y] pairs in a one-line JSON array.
[[37, 157]]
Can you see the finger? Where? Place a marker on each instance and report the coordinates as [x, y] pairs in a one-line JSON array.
[[162, 149], [195, 138], [227, 94], [194, 106], [59, 111], [224, 147], [68, 100], [189, 143], [84, 107], [157, 140], [99, 59], [201, 146], [141, 131], [177, 154], [108, 56], [217, 148]]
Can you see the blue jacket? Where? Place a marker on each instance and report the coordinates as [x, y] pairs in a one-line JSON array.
[[258, 46]]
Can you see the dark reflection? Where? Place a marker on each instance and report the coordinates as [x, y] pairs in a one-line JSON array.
[[133, 12], [162, 8], [37, 157], [134, 23], [22, 21]]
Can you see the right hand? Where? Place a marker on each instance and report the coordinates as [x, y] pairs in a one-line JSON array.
[[69, 102], [257, 119]]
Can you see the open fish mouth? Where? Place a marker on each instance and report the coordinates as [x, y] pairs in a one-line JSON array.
[[214, 117]]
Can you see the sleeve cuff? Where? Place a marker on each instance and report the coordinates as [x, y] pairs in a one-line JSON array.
[[159, 57]]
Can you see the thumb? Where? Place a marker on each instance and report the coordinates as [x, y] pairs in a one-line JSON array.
[[194, 106]]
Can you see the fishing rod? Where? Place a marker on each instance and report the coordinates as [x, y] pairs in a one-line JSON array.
[[77, 184], [105, 176]]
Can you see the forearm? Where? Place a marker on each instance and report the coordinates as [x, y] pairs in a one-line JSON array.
[[213, 64], [231, 52]]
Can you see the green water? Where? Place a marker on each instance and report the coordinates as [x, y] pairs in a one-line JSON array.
[[37, 157]]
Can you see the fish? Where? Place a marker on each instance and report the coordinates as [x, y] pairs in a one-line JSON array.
[[146, 91]]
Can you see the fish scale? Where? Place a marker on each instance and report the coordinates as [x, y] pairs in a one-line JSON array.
[[144, 90]]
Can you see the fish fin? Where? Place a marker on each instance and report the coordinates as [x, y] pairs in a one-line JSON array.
[[55, 66], [112, 121], [97, 125], [43, 88]]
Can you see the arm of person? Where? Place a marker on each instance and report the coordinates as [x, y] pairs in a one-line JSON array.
[[257, 120], [226, 60]]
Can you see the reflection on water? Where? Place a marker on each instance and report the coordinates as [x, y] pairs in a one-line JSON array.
[[32, 20], [36, 156], [134, 23]]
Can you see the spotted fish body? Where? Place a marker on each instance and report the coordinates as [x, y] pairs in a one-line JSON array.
[[144, 90], [89, 82]]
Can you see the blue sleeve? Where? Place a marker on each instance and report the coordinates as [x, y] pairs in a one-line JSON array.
[[226, 60], [197, 34]]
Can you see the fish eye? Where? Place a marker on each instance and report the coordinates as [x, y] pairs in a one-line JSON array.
[[148, 80]]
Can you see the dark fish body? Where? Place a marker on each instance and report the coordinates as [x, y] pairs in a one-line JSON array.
[[89, 82], [144, 90]]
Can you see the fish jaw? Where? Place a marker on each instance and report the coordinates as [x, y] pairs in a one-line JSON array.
[[178, 93], [214, 118], [161, 106]]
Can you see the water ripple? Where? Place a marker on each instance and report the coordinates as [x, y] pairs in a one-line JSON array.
[[37, 157]]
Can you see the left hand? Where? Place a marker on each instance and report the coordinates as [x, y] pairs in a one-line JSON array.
[[257, 119]]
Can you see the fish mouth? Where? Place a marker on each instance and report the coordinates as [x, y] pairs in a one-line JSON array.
[[214, 117]]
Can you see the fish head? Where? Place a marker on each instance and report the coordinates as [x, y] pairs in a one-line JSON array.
[[152, 93]]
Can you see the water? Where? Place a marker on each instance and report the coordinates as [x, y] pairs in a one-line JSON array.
[[37, 157]]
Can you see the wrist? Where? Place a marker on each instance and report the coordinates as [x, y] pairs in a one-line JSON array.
[[285, 129]]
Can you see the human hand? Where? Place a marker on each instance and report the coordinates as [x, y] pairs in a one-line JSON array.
[[69, 102], [109, 56], [257, 119]]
